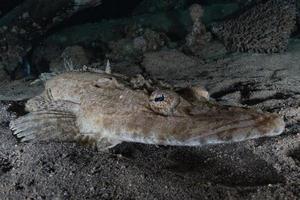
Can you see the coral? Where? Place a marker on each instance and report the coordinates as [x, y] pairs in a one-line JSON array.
[[265, 28], [196, 40]]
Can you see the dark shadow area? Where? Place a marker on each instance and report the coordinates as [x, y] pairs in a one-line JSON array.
[[226, 165], [5, 165], [17, 107], [7, 5], [109, 9]]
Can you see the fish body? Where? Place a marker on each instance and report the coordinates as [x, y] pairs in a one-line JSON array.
[[105, 109]]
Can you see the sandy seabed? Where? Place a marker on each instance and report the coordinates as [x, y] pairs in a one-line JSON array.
[[266, 168]]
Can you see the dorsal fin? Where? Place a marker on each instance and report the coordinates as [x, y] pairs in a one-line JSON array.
[[107, 67]]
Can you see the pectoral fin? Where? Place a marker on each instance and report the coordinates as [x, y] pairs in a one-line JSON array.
[[45, 125], [57, 126]]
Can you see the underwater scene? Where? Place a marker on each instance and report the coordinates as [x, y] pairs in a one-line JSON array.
[[149, 99]]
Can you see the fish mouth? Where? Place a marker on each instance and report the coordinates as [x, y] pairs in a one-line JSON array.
[[257, 126], [267, 125]]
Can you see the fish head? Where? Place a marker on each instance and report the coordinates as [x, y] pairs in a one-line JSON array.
[[189, 122]]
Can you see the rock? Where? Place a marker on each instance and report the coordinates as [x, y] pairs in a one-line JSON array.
[[175, 24], [3, 75], [212, 50], [218, 11], [132, 48], [56, 59], [153, 6], [298, 12], [232, 98], [127, 69], [126, 50], [73, 57], [292, 112], [30, 21], [44, 56], [7, 5], [19, 90], [214, 11], [12, 51], [168, 63], [264, 81], [5, 115]]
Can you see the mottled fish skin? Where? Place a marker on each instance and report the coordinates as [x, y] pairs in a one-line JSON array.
[[106, 106]]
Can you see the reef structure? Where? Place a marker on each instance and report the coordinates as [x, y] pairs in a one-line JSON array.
[[264, 28], [29, 22], [199, 37]]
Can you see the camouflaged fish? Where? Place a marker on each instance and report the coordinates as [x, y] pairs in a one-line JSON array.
[[105, 109]]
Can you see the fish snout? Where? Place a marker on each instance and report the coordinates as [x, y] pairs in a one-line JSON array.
[[262, 125]]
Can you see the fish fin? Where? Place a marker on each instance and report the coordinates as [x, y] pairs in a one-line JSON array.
[[45, 125], [36, 103], [104, 144], [45, 102], [101, 144], [107, 67], [57, 126]]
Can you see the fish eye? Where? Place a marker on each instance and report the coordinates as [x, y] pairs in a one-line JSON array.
[[163, 101], [160, 98]]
